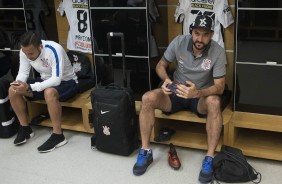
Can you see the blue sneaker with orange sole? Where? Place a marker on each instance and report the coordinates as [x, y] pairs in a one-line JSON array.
[[206, 173], [144, 159]]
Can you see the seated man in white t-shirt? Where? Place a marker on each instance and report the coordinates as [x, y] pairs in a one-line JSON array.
[[57, 83]]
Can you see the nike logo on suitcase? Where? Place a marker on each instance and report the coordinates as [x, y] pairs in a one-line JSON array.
[[104, 112]]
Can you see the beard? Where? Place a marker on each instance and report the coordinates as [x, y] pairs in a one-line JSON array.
[[199, 45]]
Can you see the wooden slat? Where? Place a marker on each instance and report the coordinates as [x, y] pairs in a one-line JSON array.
[[262, 144], [74, 114], [71, 120], [257, 121]]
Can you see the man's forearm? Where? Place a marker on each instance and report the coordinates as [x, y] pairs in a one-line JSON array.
[[162, 74], [161, 70]]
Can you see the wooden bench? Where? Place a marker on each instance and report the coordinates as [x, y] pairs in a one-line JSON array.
[[257, 135], [74, 113], [190, 129]]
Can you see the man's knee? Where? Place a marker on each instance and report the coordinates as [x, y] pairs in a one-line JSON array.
[[149, 96], [12, 93], [51, 94], [213, 105], [213, 101]]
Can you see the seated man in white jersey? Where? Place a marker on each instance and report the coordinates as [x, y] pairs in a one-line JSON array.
[[57, 83], [200, 79]]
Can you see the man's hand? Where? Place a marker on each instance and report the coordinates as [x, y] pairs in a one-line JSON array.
[[19, 87], [187, 91], [164, 86]]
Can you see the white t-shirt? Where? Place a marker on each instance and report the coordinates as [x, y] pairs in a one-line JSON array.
[[219, 10], [77, 13], [53, 65]]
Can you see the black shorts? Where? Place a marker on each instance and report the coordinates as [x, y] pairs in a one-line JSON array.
[[66, 90], [178, 104]]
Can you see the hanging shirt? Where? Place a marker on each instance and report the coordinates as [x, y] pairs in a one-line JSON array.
[[34, 9], [77, 13], [219, 10]]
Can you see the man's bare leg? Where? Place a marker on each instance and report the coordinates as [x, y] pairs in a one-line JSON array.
[[211, 106], [19, 106], [151, 100], [54, 109], [155, 99], [57, 138]]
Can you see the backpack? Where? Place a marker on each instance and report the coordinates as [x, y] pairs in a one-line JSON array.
[[81, 64], [114, 120], [8, 120], [82, 67], [231, 166]]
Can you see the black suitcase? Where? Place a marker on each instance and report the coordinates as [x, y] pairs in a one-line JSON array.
[[8, 120], [114, 114]]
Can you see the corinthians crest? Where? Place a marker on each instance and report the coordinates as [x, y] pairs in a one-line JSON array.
[[206, 65]]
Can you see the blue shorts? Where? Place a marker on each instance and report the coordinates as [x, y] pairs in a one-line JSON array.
[[178, 104], [66, 90]]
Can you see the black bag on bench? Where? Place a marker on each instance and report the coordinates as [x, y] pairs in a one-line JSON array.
[[82, 68]]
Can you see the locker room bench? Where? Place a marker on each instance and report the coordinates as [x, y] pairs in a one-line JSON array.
[[74, 112], [190, 129]]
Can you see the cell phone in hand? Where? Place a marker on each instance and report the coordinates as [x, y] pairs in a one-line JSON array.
[[173, 87], [14, 83]]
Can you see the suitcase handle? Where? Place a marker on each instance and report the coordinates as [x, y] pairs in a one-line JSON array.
[[113, 86], [121, 35]]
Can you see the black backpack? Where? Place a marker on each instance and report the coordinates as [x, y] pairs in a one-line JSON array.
[[83, 70], [8, 120], [114, 120], [231, 166]]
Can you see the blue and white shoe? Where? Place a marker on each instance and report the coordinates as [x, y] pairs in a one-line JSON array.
[[144, 159], [206, 173]]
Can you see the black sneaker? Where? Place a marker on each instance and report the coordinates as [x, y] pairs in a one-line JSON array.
[[24, 133], [55, 141]]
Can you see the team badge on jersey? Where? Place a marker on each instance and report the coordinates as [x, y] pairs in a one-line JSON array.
[[45, 62], [206, 64]]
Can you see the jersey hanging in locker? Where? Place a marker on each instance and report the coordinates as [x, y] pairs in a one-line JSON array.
[[219, 10], [78, 18]]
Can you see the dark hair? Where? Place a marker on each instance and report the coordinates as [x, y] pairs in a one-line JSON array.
[[30, 38]]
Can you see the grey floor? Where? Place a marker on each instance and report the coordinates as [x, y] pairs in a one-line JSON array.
[[77, 163]]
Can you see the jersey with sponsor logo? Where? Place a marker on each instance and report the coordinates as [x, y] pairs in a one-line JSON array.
[[219, 10], [78, 18]]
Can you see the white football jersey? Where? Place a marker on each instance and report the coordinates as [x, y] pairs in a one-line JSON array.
[[219, 10], [77, 13], [34, 9]]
